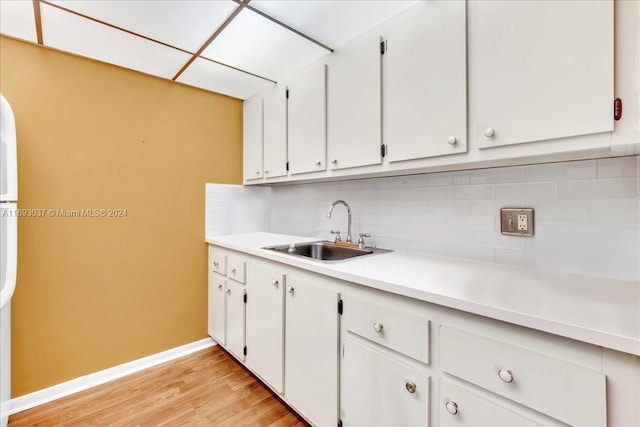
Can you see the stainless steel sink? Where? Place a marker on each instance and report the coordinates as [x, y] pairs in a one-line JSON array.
[[325, 251]]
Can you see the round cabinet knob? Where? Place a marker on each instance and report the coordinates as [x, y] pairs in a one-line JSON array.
[[266, 172], [489, 132], [233, 271], [452, 407], [290, 290], [228, 291], [334, 161], [318, 163], [378, 327], [219, 287], [257, 172], [452, 140], [411, 387], [274, 282], [215, 264], [505, 375]]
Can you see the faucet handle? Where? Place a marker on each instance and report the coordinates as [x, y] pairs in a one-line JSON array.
[[361, 244], [337, 233]]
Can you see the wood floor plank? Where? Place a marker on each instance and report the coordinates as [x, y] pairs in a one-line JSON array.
[[205, 388]]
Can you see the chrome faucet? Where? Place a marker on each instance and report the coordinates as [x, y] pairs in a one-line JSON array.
[[346, 205]]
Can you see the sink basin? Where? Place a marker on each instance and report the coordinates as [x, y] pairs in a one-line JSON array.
[[325, 251]]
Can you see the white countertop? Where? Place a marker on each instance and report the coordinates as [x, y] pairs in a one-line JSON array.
[[599, 311]]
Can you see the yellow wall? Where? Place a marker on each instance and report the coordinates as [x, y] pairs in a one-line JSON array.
[[96, 292]]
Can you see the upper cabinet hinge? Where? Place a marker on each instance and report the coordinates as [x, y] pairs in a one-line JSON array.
[[245, 298], [244, 350], [339, 423], [287, 166], [383, 47], [617, 109], [383, 150], [340, 307], [287, 94]]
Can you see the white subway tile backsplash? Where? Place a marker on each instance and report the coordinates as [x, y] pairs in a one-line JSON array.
[[587, 214], [561, 171], [527, 191], [607, 188], [617, 167]]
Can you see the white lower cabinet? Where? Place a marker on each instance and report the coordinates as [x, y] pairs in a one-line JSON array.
[[459, 407], [265, 322], [378, 389], [311, 346], [341, 353], [235, 318]]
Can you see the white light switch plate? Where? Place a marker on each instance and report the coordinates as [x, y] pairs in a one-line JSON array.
[[516, 221]]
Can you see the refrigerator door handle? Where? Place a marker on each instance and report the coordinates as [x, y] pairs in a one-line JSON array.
[[11, 253]]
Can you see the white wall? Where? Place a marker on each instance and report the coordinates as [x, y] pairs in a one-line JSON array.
[[587, 215]]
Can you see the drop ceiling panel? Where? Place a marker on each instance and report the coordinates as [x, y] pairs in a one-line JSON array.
[[81, 36], [218, 78], [184, 24], [256, 44], [17, 20], [332, 22]]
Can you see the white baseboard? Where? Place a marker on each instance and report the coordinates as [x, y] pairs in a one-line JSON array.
[[76, 385]]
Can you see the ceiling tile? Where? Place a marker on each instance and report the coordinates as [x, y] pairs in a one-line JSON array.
[[332, 22], [81, 36], [254, 43], [185, 24], [16, 19], [218, 78]]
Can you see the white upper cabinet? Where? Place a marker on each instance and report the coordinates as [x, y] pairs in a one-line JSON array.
[[354, 110], [275, 132], [539, 70], [252, 138], [307, 120], [424, 83]]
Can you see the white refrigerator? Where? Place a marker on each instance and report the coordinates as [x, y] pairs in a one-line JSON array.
[[8, 247]]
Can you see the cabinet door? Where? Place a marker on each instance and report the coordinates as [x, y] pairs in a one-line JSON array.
[[353, 105], [265, 322], [458, 407], [275, 132], [539, 70], [235, 318], [377, 389], [311, 347], [424, 83], [307, 121], [217, 308], [252, 138]]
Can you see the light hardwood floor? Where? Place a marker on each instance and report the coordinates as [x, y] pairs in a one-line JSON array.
[[207, 388]]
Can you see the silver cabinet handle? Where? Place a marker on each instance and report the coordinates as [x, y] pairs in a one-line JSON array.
[[215, 264], [257, 172], [452, 407], [290, 290], [505, 375], [378, 327], [411, 387], [266, 172], [220, 287], [274, 282], [334, 161], [489, 132], [233, 271], [228, 291], [318, 163]]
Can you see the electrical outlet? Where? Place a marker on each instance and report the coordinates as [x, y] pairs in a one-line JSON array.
[[516, 221]]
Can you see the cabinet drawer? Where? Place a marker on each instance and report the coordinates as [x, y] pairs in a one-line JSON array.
[[570, 393], [458, 407], [236, 269], [379, 390], [218, 262], [396, 330]]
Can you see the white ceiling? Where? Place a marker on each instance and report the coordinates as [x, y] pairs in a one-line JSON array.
[[162, 37]]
